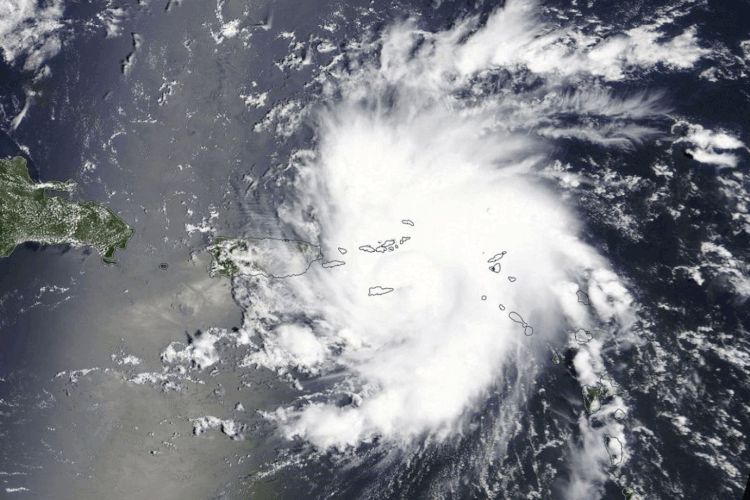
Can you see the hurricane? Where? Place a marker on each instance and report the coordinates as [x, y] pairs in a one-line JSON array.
[[450, 266]]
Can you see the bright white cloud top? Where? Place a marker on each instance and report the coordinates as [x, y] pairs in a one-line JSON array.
[[29, 31], [412, 324]]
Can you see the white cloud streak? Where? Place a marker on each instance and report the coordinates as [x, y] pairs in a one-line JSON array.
[[709, 147]]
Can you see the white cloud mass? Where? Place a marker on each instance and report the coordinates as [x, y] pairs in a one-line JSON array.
[[29, 31], [400, 146], [708, 146], [412, 131]]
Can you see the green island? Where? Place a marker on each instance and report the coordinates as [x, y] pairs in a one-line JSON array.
[[630, 494], [28, 213], [273, 258], [591, 397]]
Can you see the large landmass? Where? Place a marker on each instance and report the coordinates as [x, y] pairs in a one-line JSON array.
[[28, 213], [261, 257]]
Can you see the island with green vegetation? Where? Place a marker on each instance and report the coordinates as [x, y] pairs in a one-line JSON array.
[[269, 257], [591, 395], [630, 494], [29, 214]]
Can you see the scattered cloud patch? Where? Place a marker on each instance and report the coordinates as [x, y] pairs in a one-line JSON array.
[[228, 427]]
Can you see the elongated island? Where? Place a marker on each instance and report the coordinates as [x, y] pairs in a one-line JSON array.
[[28, 213], [269, 257]]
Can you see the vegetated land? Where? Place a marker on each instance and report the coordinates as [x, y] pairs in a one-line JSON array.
[[261, 257], [28, 213]]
